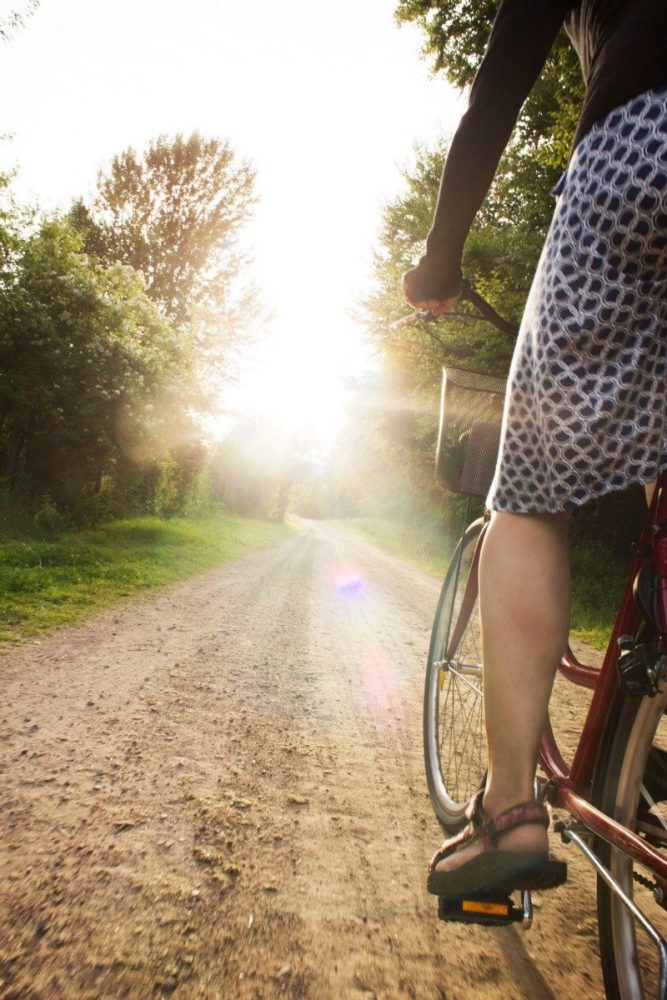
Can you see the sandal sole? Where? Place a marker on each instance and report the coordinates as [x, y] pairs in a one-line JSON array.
[[501, 871]]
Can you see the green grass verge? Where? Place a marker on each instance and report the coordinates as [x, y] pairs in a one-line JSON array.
[[57, 581], [598, 577], [598, 581]]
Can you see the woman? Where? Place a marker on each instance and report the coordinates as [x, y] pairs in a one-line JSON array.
[[586, 409]]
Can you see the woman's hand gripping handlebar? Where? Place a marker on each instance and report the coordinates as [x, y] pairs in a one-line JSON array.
[[468, 294]]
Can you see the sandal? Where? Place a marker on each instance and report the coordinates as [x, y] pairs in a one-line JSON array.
[[493, 869]]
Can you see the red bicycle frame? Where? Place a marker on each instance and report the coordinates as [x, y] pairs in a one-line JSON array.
[[570, 787]]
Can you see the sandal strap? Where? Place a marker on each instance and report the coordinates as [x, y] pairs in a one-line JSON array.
[[518, 815], [453, 843], [473, 811], [475, 819], [490, 830]]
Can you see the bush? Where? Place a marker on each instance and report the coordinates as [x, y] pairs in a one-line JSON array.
[[167, 496], [198, 496], [48, 519], [105, 505]]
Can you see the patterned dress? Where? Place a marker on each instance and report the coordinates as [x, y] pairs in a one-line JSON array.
[[586, 406]]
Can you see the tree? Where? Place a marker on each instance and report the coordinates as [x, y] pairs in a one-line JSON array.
[[455, 39], [16, 19], [499, 258], [90, 372], [11, 221], [174, 214], [259, 465]]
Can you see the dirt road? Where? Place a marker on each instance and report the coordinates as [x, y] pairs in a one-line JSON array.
[[218, 792]]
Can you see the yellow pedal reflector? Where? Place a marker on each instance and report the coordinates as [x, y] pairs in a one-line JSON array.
[[490, 909], [483, 906]]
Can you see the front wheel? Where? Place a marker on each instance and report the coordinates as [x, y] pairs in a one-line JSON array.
[[631, 786], [455, 750]]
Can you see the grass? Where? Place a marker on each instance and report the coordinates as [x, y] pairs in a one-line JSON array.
[[598, 581], [598, 576], [57, 581]]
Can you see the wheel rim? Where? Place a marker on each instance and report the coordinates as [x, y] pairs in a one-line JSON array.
[[456, 734], [642, 738]]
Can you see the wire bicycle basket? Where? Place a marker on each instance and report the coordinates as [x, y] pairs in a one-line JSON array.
[[471, 411]]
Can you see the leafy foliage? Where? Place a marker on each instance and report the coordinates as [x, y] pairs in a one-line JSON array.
[[174, 215], [15, 19], [118, 324], [455, 36], [88, 367], [499, 259]]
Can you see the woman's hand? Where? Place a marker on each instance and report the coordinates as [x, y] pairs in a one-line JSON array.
[[435, 306], [417, 295]]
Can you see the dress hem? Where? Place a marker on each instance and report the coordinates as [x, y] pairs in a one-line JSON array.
[[571, 508]]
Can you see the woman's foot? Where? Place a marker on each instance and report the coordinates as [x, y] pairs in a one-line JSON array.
[[475, 861], [529, 838]]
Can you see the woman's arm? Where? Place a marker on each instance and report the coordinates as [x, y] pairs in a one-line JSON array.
[[522, 35]]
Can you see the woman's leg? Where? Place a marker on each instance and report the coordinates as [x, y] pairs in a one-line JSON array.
[[525, 613], [524, 607]]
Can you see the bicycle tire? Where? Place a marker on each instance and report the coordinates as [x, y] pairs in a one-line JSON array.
[[636, 732], [455, 752]]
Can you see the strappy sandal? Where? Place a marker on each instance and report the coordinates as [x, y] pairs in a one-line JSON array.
[[495, 870]]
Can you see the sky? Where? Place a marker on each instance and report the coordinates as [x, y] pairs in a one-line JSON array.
[[325, 99]]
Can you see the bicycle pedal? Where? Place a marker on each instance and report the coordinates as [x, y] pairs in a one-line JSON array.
[[488, 909]]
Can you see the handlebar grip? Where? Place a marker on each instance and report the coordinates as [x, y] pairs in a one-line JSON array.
[[421, 316], [468, 294]]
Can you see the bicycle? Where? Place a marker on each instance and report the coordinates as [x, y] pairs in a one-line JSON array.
[[615, 788]]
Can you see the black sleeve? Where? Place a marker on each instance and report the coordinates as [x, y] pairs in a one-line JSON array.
[[522, 35]]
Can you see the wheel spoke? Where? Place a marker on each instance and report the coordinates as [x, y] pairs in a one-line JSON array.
[[652, 807], [462, 677], [455, 739]]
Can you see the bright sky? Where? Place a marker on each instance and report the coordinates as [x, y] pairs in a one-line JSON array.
[[325, 98]]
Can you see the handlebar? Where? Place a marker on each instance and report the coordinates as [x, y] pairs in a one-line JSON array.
[[468, 294]]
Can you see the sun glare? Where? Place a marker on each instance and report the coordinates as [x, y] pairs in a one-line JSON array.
[[294, 394], [298, 380]]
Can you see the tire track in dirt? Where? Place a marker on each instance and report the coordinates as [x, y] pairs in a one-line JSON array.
[[218, 792]]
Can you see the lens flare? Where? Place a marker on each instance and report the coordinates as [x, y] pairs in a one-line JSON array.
[[349, 582], [381, 687]]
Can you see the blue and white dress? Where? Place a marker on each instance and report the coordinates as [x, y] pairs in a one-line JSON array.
[[586, 406]]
